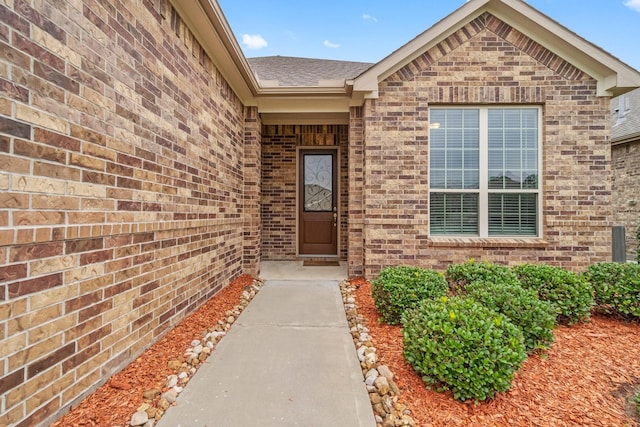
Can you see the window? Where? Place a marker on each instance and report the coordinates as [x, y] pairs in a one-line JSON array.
[[483, 171]]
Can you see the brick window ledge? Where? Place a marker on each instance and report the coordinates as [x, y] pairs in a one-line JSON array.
[[491, 242]]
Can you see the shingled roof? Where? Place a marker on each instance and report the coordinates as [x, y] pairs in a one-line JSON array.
[[625, 117], [286, 71]]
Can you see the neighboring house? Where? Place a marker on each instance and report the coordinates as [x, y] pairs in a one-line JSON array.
[[145, 162], [625, 161]]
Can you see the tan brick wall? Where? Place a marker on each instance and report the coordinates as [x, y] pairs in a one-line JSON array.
[[252, 191], [129, 191], [279, 198], [625, 159], [486, 62], [356, 189]]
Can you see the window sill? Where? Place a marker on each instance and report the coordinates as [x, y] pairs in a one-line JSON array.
[[489, 242]]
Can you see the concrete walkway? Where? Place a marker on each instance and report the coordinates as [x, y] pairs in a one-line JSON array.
[[289, 360]]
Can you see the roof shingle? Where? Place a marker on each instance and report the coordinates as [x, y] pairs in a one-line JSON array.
[[625, 116], [304, 72]]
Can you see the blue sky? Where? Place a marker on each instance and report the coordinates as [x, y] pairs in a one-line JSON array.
[[369, 30]]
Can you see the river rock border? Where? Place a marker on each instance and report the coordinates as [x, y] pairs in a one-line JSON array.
[[383, 392], [158, 401]]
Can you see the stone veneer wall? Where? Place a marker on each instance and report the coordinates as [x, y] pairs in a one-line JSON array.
[[625, 159], [123, 198], [485, 62], [279, 197]]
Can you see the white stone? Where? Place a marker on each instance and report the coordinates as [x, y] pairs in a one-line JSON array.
[[139, 418], [371, 377], [370, 359], [195, 343], [172, 380], [170, 395], [361, 352]]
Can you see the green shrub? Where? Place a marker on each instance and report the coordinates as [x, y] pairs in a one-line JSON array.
[[570, 294], [459, 344], [638, 242], [616, 288], [397, 289], [535, 318], [459, 275]]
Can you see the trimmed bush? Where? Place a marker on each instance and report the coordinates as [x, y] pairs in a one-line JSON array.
[[570, 294], [535, 318], [616, 287], [638, 242], [397, 289], [459, 275], [459, 344]]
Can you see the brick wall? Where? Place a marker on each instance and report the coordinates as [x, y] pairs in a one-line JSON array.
[[356, 188], [486, 62], [625, 159], [252, 238], [279, 197], [122, 192]]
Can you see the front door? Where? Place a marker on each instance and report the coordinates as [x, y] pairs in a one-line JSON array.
[[318, 202]]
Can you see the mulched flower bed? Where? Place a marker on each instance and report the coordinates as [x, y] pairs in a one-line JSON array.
[[113, 403], [587, 378]]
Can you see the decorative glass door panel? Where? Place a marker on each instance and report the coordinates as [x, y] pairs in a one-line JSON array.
[[318, 213], [318, 183]]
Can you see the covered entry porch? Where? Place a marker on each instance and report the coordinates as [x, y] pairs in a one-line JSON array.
[[305, 191]]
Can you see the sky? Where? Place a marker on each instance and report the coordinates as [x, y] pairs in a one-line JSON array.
[[369, 30]]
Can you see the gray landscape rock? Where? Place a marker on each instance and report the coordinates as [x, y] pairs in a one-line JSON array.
[[139, 418]]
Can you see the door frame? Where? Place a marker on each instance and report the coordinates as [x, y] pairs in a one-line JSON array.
[[299, 201]]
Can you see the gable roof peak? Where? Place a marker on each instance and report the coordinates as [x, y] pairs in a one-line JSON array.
[[613, 76]]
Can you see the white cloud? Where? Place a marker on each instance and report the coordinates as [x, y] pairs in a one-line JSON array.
[[633, 4], [253, 41], [368, 17], [327, 43]]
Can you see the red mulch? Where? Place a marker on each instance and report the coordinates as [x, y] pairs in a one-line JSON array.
[[115, 402], [586, 378]]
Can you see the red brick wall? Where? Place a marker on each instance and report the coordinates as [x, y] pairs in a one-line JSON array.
[[487, 62], [279, 198], [122, 192], [625, 160]]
